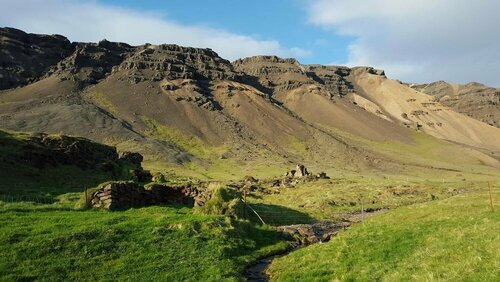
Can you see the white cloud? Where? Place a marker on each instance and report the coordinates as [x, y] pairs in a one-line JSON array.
[[91, 22], [419, 40]]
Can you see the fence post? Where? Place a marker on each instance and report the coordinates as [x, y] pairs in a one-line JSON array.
[[86, 200], [244, 202], [362, 211], [491, 197]]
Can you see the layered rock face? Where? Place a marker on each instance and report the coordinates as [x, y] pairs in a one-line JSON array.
[[25, 57], [473, 99], [274, 75], [91, 62], [167, 61]]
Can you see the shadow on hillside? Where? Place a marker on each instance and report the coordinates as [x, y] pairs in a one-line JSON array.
[[26, 184], [277, 215]]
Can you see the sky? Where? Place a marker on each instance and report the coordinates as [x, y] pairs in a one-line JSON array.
[[413, 40]]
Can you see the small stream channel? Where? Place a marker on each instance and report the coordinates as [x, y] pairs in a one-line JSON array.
[[304, 235]]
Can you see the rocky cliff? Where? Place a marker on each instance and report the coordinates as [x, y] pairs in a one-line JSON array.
[[189, 107]]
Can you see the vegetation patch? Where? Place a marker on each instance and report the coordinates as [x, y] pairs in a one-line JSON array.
[[188, 143], [449, 240], [223, 201], [38, 166], [54, 242]]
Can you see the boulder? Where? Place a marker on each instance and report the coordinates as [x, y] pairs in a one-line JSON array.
[[322, 175], [159, 178], [301, 171], [132, 157]]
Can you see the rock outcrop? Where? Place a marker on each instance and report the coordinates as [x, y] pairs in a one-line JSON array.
[[306, 234], [42, 150], [472, 99], [272, 74], [299, 172], [170, 62], [25, 57], [91, 62]]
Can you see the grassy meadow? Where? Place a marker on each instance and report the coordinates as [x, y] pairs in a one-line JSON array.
[[453, 239], [56, 242], [432, 227]]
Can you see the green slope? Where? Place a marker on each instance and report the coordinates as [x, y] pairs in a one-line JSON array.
[[455, 239]]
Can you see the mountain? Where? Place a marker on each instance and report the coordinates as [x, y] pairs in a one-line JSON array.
[[191, 111], [472, 99]]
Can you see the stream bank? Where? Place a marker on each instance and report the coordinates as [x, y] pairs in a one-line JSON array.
[[303, 235]]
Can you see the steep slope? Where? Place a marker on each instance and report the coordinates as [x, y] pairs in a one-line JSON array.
[[320, 95], [193, 92], [420, 111], [189, 110], [473, 99], [25, 57]]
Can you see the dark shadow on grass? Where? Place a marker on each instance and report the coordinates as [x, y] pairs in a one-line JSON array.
[[277, 215]]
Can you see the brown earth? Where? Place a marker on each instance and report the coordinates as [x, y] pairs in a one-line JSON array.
[[472, 99], [187, 106]]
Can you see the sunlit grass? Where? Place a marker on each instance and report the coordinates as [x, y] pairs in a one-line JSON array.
[[454, 239], [54, 242]]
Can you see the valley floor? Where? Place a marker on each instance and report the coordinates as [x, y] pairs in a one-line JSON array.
[[433, 231]]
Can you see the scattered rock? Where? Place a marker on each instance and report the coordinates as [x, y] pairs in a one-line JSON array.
[[306, 234], [322, 175], [301, 171]]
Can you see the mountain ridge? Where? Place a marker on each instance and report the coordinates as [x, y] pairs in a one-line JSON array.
[[189, 107]]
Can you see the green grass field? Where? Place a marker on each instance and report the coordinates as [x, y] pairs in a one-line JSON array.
[[454, 239], [436, 228], [336, 198], [55, 242]]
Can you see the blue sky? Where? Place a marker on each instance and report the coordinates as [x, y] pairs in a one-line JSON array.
[[282, 20], [412, 40]]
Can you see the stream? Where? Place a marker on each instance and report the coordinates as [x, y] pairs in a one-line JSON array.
[[303, 235]]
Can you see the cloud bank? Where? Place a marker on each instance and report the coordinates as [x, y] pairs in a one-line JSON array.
[[91, 22], [418, 40]]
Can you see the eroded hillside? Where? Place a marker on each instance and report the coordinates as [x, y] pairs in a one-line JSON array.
[[473, 99], [190, 110]]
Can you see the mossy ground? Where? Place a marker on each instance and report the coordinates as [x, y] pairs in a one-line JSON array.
[[334, 199]]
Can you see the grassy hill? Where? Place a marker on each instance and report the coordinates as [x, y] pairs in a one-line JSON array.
[[448, 240], [40, 167]]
